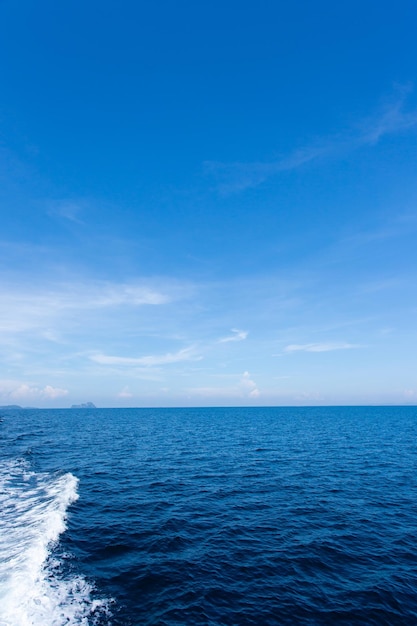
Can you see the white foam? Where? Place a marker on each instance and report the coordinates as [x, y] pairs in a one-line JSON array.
[[33, 591]]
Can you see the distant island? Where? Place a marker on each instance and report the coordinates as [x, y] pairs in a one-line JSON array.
[[15, 407], [84, 405]]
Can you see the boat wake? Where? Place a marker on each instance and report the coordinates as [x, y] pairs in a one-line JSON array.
[[34, 591]]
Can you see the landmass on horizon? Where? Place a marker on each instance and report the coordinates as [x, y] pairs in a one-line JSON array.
[[16, 407], [84, 405]]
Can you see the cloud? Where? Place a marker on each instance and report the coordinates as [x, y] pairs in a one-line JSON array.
[[125, 393], [186, 354], [67, 209], [245, 388], [52, 336], [33, 307], [136, 295], [308, 396], [391, 118], [248, 387], [238, 335], [320, 347], [237, 176], [14, 390], [53, 392]]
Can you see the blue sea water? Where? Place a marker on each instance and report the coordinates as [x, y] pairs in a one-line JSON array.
[[253, 516]]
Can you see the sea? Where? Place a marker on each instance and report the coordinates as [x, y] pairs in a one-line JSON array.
[[212, 516]]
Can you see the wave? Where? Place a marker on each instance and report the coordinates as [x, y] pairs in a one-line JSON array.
[[34, 591]]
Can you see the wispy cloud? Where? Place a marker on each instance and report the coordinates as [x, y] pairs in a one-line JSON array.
[[397, 225], [186, 354], [383, 284], [238, 335], [320, 347], [25, 308], [237, 176], [389, 119], [67, 209]]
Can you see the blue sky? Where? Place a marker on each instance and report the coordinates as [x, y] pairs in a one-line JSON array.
[[208, 203]]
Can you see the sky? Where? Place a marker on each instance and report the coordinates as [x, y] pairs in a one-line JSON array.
[[208, 203]]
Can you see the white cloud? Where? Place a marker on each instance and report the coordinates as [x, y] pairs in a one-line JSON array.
[[22, 391], [245, 388], [125, 393], [53, 392], [238, 335], [186, 354], [320, 347], [248, 386]]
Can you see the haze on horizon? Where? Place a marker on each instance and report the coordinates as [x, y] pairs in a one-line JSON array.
[[208, 203]]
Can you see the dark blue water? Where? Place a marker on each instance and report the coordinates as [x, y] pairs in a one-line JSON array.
[[260, 516]]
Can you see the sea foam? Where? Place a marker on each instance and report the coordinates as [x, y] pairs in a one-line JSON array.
[[33, 590]]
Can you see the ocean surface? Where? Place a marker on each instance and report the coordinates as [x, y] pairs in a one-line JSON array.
[[253, 516]]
